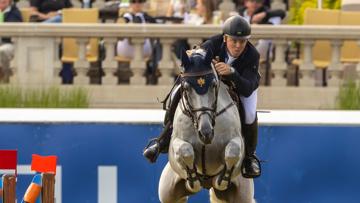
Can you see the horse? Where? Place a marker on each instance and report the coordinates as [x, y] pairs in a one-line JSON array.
[[206, 148]]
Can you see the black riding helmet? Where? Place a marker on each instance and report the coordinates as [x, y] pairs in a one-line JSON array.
[[237, 27]]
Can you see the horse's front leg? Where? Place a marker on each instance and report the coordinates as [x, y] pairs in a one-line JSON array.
[[232, 167], [184, 156]]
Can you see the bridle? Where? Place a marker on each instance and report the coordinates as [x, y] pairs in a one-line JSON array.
[[191, 111]]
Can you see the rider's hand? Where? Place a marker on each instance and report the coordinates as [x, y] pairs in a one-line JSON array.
[[223, 68]]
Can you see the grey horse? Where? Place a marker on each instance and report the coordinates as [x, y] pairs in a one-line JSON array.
[[206, 148]]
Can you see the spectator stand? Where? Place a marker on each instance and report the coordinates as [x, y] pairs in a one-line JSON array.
[[72, 48], [328, 57]]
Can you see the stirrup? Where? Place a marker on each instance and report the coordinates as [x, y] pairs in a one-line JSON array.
[[243, 167], [152, 142], [149, 157]]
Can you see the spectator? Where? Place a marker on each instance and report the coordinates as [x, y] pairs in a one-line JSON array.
[[178, 8], [125, 49], [48, 11], [136, 15], [240, 3], [10, 13], [257, 13], [203, 15]]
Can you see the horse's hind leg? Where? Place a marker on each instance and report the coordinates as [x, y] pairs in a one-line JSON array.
[[232, 164], [184, 156], [172, 187]]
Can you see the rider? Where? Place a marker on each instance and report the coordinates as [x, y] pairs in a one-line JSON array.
[[236, 60]]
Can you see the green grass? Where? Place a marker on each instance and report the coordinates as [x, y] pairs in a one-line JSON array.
[[349, 96], [53, 97]]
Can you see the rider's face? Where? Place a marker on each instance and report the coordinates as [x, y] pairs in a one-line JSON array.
[[136, 6], [4, 4], [235, 46]]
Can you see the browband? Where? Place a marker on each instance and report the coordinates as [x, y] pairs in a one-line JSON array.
[[197, 73]]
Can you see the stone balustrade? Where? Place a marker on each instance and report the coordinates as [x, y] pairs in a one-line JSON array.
[[37, 60]]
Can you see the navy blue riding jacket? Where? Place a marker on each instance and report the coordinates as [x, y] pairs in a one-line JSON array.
[[246, 76]]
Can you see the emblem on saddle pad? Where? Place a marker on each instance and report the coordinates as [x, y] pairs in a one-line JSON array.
[[201, 82]]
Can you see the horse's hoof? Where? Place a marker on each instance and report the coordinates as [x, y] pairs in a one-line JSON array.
[[193, 188], [220, 184]]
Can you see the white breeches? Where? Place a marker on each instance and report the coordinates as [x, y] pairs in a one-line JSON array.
[[249, 104]]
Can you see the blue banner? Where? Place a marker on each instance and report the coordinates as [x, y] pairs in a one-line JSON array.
[[303, 163]]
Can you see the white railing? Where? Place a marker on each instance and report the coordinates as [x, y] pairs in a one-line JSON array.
[[37, 45]]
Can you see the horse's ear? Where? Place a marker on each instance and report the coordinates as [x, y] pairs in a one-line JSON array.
[[185, 61], [208, 56]]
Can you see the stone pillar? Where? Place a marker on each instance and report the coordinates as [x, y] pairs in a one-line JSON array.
[[307, 66], [166, 64], [137, 64], [109, 64], [82, 65], [279, 66], [226, 7], [29, 69], [334, 70]]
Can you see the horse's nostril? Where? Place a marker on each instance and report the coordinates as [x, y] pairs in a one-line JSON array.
[[206, 135], [205, 132]]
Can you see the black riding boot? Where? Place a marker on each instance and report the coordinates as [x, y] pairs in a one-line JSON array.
[[161, 143], [251, 167]]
